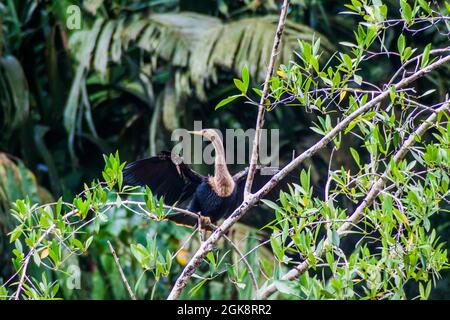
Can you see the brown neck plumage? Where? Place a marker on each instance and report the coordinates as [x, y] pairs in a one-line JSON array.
[[222, 182]]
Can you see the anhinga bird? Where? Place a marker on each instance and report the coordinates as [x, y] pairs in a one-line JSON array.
[[212, 196]]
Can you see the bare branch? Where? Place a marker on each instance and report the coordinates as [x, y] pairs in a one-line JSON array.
[[247, 264], [262, 102], [373, 193], [122, 275]]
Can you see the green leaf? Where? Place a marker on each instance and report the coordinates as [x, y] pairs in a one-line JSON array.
[[275, 242], [425, 56], [197, 287], [424, 5], [401, 217], [245, 78], [258, 91], [315, 64], [88, 242], [139, 252], [77, 243], [318, 130], [422, 292], [271, 204], [227, 101], [15, 234], [211, 258], [407, 13], [357, 3], [387, 204], [37, 259], [347, 61], [58, 207], [335, 238], [401, 44], [392, 93], [305, 180], [348, 44], [327, 294], [286, 287], [240, 85], [407, 54], [355, 156], [3, 293]]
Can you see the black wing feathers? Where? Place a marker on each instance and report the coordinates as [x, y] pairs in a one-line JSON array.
[[175, 182]]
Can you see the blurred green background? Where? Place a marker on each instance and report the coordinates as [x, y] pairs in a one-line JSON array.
[[132, 73]]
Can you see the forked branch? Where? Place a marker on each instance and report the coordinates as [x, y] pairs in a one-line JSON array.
[[373, 193], [253, 199]]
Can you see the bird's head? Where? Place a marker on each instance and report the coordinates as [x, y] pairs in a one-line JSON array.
[[209, 134]]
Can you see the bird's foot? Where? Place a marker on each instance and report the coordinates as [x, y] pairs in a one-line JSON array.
[[205, 221], [202, 223]]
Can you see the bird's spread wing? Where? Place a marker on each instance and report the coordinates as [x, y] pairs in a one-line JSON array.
[[166, 175]]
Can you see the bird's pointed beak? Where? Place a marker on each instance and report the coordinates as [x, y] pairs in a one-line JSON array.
[[198, 133]]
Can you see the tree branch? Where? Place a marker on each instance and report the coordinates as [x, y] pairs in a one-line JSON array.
[[245, 261], [253, 199], [373, 193], [170, 217], [262, 102], [122, 275], [27, 258]]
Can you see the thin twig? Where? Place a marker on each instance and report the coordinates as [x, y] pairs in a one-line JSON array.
[[264, 96], [122, 275], [247, 264]]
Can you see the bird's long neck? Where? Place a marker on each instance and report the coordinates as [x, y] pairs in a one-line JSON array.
[[222, 182]]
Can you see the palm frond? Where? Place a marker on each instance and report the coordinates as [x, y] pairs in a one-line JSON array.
[[14, 94], [199, 42], [83, 44], [196, 46]]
